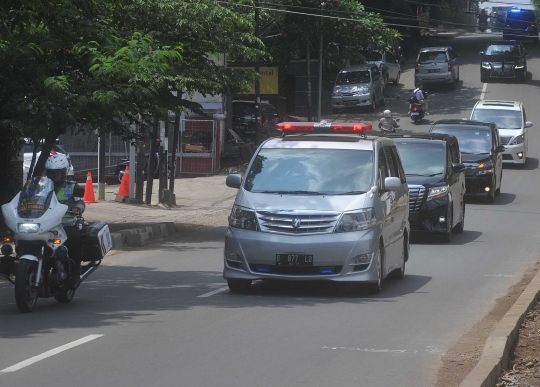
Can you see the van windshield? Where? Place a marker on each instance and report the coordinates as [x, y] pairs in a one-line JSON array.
[[372, 56], [421, 159], [432, 57], [471, 140], [505, 119], [311, 172], [352, 77]]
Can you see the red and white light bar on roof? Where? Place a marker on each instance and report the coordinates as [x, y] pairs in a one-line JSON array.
[[323, 127]]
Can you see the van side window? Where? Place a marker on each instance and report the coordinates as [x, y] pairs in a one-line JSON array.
[[401, 171], [454, 151], [392, 165], [383, 169]]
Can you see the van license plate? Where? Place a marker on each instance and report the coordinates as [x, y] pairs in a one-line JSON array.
[[294, 260], [433, 71]]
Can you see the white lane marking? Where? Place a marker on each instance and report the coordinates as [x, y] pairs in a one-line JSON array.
[[484, 88], [499, 275], [213, 292], [431, 350], [50, 353]]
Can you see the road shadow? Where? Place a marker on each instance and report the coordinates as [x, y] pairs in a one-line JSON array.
[[464, 238], [501, 200], [530, 164], [118, 295]]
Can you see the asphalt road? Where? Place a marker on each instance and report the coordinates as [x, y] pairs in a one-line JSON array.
[[157, 330]]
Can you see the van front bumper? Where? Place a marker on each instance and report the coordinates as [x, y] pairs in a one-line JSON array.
[[252, 255]]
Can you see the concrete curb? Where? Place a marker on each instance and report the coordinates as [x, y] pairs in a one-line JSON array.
[[141, 236], [494, 358]]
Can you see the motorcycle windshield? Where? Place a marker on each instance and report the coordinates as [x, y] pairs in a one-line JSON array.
[[35, 197]]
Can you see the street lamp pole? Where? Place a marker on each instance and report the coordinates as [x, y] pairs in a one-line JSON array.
[[257, 83], [319, 93]]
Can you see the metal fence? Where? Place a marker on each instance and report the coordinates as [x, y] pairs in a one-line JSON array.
[[197, 148]]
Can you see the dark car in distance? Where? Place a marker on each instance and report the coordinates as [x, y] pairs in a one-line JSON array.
[[244, 120], [520, 23], [436, 179], [481, 153], [503, 59]]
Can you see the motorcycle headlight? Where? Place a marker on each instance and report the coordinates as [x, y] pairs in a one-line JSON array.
[[485, 168], [243, 218], [517, 140], [437, 192], [486, 65], [27, 228], [356, 220]]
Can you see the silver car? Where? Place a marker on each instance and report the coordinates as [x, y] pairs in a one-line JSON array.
[[361, 85], [437, 65], [326, 206]]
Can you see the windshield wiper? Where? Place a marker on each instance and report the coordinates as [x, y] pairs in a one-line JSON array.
[[418, 174], [352, 193], [295, 192]]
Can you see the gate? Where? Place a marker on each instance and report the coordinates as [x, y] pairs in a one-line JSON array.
[[198, 147]]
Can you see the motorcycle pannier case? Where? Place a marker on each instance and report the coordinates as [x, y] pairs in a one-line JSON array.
[[96, 242]]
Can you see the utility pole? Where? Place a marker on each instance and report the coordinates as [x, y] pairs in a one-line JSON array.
[[257, 82], [319, 94], [151, 163], [101, 166]]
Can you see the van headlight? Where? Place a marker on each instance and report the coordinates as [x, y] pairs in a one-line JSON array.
[[486, 65], [517, 140], [244, 218], [336, 94], [520, 66], [356, 220], [28, 228], [484, 168], [437, 192]]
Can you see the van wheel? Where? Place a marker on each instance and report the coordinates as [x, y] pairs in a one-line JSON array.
[[397, 78], [376, 287], [449, 229], [461, 225], [399, 274], [239, 285], [498, 190], [491, 194]]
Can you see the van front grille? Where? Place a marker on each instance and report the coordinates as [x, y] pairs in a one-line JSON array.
[[416, 197], [298, 222]]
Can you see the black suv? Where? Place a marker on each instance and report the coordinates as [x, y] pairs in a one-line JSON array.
[[520, 23], [481, 152], [503, 59], [435, 174], [244, 120]]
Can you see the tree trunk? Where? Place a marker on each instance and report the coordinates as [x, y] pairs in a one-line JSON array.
[[151, 163], [308, 63], [139, 171]]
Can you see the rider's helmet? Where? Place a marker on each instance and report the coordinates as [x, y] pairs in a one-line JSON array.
[[387, 113], [57, 167]]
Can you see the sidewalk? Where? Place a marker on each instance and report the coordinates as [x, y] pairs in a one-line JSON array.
[[203, 201]]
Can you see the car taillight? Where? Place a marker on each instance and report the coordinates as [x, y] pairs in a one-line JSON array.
[[450, 65], [416, 70]]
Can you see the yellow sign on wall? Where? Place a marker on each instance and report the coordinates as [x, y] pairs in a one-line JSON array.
[[269, 80]]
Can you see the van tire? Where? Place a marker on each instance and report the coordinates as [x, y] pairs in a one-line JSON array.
[[449, 229], [239, 285], [373, 105], [461, 225], [376, 287]]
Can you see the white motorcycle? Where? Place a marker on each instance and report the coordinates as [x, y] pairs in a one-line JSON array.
[[41, 266]]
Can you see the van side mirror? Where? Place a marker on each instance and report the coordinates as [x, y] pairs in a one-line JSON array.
[[234, 180], [528, 124], [392, 183], [500, 149], [458, 167]]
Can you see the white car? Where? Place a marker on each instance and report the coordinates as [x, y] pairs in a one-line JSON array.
[[512, 123]]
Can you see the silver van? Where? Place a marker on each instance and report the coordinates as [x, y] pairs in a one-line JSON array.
[[437, 65], [361, 85], [324, 202]]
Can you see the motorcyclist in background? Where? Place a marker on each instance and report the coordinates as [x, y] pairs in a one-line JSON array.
[[387, 123], [70, 194], [483, 17]]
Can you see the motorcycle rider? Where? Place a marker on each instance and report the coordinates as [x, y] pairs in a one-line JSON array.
[[387, 123], [70, 194], [420, 97], [483, 17]]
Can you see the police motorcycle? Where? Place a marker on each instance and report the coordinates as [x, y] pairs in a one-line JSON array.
[[40, 265]]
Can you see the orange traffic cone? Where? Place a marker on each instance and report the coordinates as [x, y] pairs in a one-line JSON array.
[[124, 185], [89, 196]]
